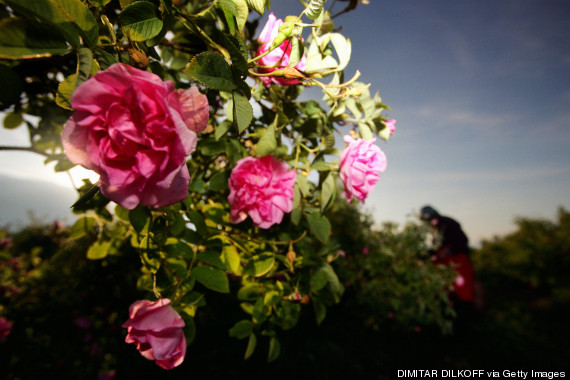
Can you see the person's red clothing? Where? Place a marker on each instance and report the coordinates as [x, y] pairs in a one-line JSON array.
[[464, 286]]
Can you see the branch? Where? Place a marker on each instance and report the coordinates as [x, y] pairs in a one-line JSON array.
[[25, 149]]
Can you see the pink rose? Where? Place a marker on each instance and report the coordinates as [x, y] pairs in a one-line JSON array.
[[391, 124], [156, 330], [279, 57], [261, 188], [136, 131], [5, 329], [360, 165]]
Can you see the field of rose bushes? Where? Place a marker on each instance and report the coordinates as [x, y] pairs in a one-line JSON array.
[[66, 313]]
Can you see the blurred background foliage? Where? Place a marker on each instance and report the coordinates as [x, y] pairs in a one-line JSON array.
[[67, 310]]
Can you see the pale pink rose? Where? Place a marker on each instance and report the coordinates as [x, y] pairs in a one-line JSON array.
[[361, 163], [261, 188], [156, 330], [136, 131], [459, 281], [391, 124], [279, 56], [5, 329]]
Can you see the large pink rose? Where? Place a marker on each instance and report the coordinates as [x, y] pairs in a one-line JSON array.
[[279, 56], [261, 188], [5, 329], [156, 330], [136, 131], [361, 163]]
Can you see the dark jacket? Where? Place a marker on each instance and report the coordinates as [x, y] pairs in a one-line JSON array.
[[454, 239]]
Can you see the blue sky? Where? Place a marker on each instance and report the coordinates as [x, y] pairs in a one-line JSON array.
[[481, 93]]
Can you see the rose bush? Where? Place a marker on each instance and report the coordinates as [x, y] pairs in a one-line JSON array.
[[360, 165], [136, 132], [263, 150], [261, 188], [156, 330], [277, 58]]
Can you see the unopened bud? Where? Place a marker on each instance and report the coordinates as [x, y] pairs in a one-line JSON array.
[[292, 73], [138, 58], [285, 32], [291, 256]]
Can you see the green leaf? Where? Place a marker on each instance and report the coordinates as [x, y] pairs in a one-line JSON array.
[[274, 349], [82, 227], [336, 287], [237, 54], [139, 218], [211, 148], [159, 230], [98, 250], [222, 129], [296, 216], [271, 298], [20, 39], [250, 292], [322, 165], [103, 58], [242, 13], [343, 48], [229, 5], [232, 259], [125, 3], [320, 226], [242, 111], [100, 3], [212, 258], [385, 133], [242, 329], [297, 51], [328, 191], [211, 278], [219, 181], [259, 265], [252, 342], [84, 65], [13, 120], [365, 131], [267, 143], [230, 20], [257, 5], [179, 248], [70, 17], [212, 70], [65, 91], [303, 184], [319, 280], [141, 20]]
